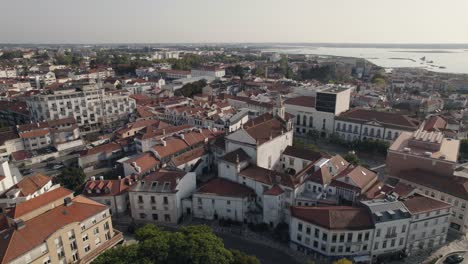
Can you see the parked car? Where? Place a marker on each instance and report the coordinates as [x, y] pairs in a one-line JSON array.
[[50, 159], [453, 259], [26, 171], [58, 166]]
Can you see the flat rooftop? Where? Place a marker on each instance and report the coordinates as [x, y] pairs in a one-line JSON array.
[[431, 145]]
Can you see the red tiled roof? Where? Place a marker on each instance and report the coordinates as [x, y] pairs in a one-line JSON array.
[[268, 176], [421, 204], [146, 161], [35, 133], [264, 128], [189, 156], [107, 187], [305, 101], [453, 185], [335, 217], [39, 228], [236, 155], [39, 201], [403, 190], [435, 123], [107, 148], [173, 145], [303, 153], [390, 119], [222, 187], [274, 191], [31, 184]]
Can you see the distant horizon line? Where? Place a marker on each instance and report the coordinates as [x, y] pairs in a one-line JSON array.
[[241, 43]]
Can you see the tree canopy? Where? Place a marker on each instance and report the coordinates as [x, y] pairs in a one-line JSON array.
[[191, 245], [352, 158], [343, 261], [191, 89], [464, 148], [71, 178]]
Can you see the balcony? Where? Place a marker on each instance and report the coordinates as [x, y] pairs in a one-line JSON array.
[[392, 235], [116, 239]]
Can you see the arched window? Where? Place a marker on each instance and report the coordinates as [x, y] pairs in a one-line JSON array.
[[378, 132], [298, 120], [311, 121], [338, 126], [304, 120], [396, 135], [372, 132], [365, 131]]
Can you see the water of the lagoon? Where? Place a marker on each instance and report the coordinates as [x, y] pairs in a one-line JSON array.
[[451, 60]]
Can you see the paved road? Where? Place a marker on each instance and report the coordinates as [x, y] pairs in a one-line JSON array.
[[465, 261], [265, 254]]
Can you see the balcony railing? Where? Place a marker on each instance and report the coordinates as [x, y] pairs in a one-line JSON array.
[[116, 239]]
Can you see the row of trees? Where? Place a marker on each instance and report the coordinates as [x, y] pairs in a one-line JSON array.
[[368, 145], [13, 54], [192, 245], [320, 73]]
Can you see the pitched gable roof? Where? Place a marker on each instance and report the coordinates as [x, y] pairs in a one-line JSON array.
[[334, 217]]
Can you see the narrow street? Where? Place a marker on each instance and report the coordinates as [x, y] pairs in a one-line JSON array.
[[265, 254]]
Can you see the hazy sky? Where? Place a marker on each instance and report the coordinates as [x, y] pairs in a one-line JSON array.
[[159, 21]]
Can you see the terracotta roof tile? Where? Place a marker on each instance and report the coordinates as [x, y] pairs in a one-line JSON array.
[[421, 204], [39, 228], [274, 191], [386, 118], [223, 187], [39, 201], [335, 217], [305, 101]]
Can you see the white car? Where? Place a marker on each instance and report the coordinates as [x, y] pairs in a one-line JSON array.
[[57, 167]]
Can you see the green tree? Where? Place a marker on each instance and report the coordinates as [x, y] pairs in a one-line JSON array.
[[343, 261], [464, 148], [242, 258], [192, 244], [71, 178], [8, 55], [120, 255], [352, 158], [236, 71]]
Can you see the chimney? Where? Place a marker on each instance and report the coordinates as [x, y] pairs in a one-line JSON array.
[[101, 178], [119, 177], [93, 178], [19, 224], [67, 201], [163, 142]]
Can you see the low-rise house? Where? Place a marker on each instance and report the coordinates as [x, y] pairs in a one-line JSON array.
[[295, 159], [430, 220], [62, 134], [332, 232], [113, 193], [9, 142], [100, 154], [158, 197], [391, 220], [28, 188], [223, 199], [450, 189]]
